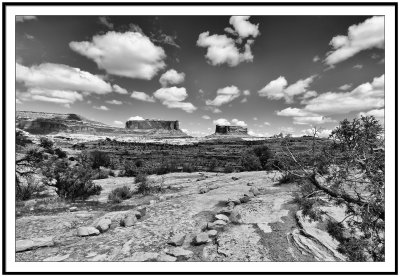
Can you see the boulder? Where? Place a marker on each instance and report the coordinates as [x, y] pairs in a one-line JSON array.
[[180, 253], [226, 211], [235, 178], [87, 231], [201, 238], [166, 258], [56, 258], [73, 209], [177, 240], [233, 200], [33, 243], [249, 194], [235, 216], [129, 220], [212, 233], [245, 199], [255, 191], [204, 190], [216, 225], [142, 257], [103, 225], [222, 217]]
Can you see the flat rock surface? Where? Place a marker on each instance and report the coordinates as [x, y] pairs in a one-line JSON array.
[[261, 233]]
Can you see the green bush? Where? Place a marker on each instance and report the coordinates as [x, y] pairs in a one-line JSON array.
[[101, 173], [166, 167], [265, 155], [60, 153], [213, 164], [287, 178], [46, 143], [229, 169], [141, 178], [188, 168], [119, 194], [21, 139], [250, 162], [70, 182], [130, 169], [99, 158]]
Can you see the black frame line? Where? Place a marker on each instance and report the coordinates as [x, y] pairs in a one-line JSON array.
[[252, 4]]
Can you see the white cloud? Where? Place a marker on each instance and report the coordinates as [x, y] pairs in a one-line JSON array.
[[172, 98], [136, 118], [312, 120], [294, 112], [142, 96], [255, 118], [358, 66], [118, 122], [114, 102], [103, 108], [52, 76], [366, 35], [129, 54], [238, 122], [243, 27], [345, 87], [364, 97], [50, 95], [316, 58], [254, 134], [172, 77], [246, 92], [105, 20], [274, 89], [212, 109], [244, 100], [224, 95], [378, 113], [221, 121], [222, 49], [206, 117], [309, 94], [267, 123], [278, 89], [322, 133], [22, 18], [119, 90]]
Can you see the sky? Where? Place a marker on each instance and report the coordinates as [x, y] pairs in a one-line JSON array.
[[270, 74]]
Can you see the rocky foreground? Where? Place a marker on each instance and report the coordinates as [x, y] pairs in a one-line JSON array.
[[199, 217]]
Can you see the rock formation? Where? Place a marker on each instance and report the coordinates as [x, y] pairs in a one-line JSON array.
[[225, 130], [152, 124]]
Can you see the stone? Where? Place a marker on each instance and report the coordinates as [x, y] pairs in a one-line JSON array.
[[142, 211], [179, 252], [201, 238], [226, 211], [216, 225], [73, 209], [142, 257], [204, 190], [249, 184], [33, 243], [30, 203], [166, 258], [230, 205], [222, 217], [235, 216], [245, 199], [152, 202], [212, 233], [56, 258], [255, 191], [87, 231], [177, 240], [103, 225], [233, 200], [129, 220], [234, 178], [249, 194]]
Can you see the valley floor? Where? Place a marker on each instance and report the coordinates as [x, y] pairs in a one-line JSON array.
[[265, 226]]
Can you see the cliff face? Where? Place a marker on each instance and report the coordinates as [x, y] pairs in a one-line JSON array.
[[152, 124], [230, 130]]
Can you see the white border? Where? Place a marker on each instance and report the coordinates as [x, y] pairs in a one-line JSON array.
[[12, 266]]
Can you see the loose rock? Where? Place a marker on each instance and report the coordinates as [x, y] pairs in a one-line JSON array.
[[201, 238], [255, 191], [249, 194], [56, 258], [73, 209], [222, 217], [129, 220], [235, 178], [245, 199], [103, 225], [234, 201], [142, 257], [177, 240], [33, 243], [216, 225], [212, 233], [179, 252], [87, 231], [204, 190], [166, 258], [235, 216]]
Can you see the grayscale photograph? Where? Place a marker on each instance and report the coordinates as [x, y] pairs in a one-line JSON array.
[[200, 138]]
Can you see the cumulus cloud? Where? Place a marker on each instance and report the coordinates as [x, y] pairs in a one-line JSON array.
[[142, 96], [316, 58], [136, 118], [246, 92], [256, 134], [345, 87], [22, 18], [358, 66], [118, 89], [294, 112], [117, 122], [222, 49], [239, 122], [206, 117], [322, 133], [312, 120], [309, 94], [172, 77], [366, 35], [114, 102], [267, 123], [366, 96], [103, 108], [224, 95], [105, 20], [129, 54], [172, 98], [278, 89], [378, 113], [221, 121], [212, 109], [243, 27], [58, 83], [61, 77]]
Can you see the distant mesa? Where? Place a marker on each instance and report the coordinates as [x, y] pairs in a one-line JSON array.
[[152, 124], [230, 131]]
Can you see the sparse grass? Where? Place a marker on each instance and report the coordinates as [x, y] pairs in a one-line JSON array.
[[117, 195], [287, 178]]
